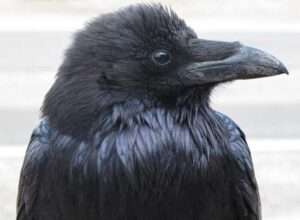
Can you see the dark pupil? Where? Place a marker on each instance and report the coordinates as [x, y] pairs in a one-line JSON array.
[[161, 57]]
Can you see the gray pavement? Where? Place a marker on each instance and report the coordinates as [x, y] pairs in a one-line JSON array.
[[277, 121], [264, 108], [39, 51]]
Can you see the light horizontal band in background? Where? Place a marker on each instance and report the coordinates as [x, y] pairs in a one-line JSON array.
[[256, 146]]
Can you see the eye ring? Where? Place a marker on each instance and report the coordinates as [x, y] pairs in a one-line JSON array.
[[161, 57]]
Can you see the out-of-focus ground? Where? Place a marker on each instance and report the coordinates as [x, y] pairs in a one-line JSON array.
[[34, 34]]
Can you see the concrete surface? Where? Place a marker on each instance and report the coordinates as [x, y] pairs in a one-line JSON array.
[[264, 107]]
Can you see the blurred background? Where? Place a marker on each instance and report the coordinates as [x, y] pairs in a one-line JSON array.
[[34, 34]]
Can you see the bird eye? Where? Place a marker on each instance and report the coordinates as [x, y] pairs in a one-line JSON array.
[[161, 57]]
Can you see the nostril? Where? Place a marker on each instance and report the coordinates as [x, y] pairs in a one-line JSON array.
[[194, 42], [207, 50]]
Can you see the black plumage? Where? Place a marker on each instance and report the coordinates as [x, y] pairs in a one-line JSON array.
[[128, 133]]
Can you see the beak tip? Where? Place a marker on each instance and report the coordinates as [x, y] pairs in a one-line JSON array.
[[283, 69]]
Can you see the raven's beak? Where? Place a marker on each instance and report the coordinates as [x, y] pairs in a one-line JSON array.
[[216, 61]]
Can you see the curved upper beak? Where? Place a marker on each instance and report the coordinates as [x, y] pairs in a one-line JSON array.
[[216, 61]]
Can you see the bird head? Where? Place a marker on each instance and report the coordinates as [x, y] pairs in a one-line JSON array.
[[146, 53]]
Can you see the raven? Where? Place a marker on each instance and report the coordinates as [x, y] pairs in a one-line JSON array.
[[127, 131]]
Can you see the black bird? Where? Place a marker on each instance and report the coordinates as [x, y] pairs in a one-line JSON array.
[[127, 131]]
